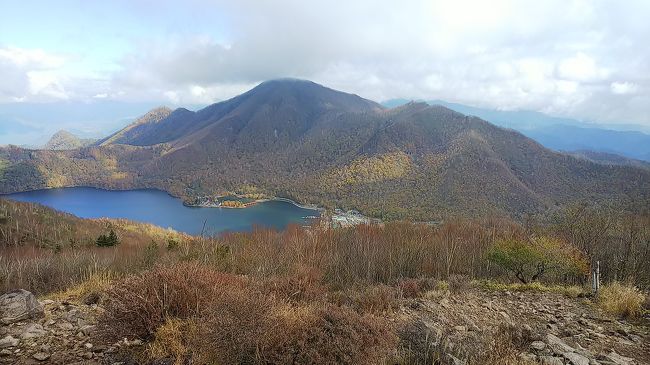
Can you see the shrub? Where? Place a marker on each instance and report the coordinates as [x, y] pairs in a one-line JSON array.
[[304, 286], [505, 347], [530, 260], [419, 343], [570, 291], [459, 283], [621, 300], [368, 299], [173, 340], [172, 244], [249, 328], [238, 327], [136, 306], [410, 288]]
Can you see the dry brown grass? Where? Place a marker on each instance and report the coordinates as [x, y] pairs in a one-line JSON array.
[[189, 310], [137, 305], [504, 348], [172, 340], [368, 299], [314, 334], [621, 300]]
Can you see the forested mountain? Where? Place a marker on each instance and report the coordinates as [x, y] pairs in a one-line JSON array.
[[301, 140], [561, 134], [610, 159], [64, 140]]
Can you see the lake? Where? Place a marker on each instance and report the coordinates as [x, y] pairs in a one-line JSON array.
[[161, 209]]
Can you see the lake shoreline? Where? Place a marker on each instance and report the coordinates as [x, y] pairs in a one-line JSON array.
[[255, 202], [159, 208]]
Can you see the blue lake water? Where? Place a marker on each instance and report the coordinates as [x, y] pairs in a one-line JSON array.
[[159, 208]]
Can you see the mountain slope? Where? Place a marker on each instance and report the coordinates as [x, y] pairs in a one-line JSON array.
[[64, 140], [293, 103], [561, 134], [610, 159], [141, 126], [300, 140]]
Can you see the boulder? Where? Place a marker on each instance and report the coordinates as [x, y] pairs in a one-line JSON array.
[[576, 359], [558, 346], [18, 305]]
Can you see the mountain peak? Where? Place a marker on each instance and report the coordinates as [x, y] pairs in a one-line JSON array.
[[134, 129], [64, 140], [288, 80]]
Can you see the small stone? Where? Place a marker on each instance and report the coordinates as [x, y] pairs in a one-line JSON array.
[[32, 331], [622, 331], [538, 345], [41, 356], [550, 360], [88, 345], [135, 342], [87, 329], [528, 357], [9, 341], [618, 359], [88, 355], [67, 326], [460, 328], [5, 352], [99, 348]]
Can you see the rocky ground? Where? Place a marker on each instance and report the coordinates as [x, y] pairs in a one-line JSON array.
[[553, 329], [55, 332]]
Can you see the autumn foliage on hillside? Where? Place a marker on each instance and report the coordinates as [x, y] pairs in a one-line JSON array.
[[316, 294]]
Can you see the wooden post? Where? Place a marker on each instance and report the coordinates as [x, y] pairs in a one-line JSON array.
[[595, 278]]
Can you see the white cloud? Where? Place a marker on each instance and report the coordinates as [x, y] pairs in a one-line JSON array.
[[30, 58], [581, 68], [30, 74], [565, 57], [624, 88]]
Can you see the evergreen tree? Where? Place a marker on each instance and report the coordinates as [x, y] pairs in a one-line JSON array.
[[112, 238], [108, 240], [102, 241]]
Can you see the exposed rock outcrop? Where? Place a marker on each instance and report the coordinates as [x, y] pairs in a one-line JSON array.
[[18, 305]]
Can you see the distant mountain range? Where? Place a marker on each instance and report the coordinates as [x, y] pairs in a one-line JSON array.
[[64, 140], [297, 139], [562, 134]]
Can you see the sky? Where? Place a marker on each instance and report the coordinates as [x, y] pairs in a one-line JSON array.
[[582, 59]]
